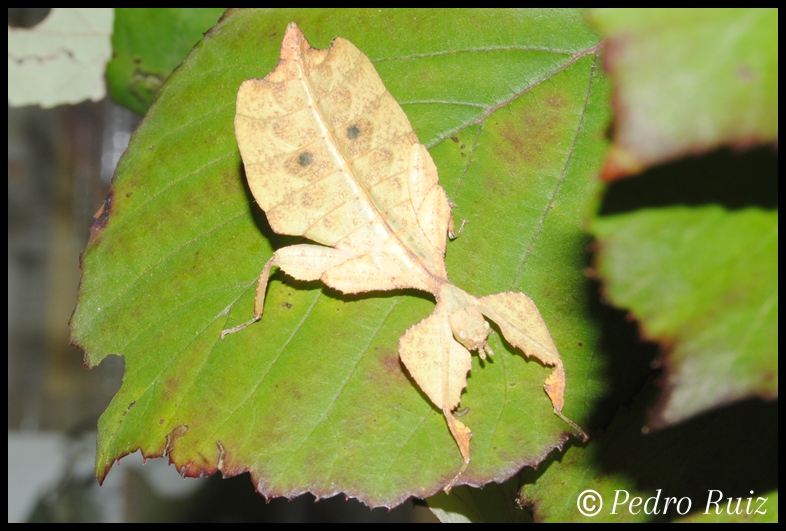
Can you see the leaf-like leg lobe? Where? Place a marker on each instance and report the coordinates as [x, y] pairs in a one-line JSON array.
[[437, 363], [462, 435], [522, 325]]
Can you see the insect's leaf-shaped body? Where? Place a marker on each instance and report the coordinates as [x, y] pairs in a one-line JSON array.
[[330, 155]]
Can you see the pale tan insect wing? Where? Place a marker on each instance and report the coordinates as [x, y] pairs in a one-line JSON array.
[[328, 154]]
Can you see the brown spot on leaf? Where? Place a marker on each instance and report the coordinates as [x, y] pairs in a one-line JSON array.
[[172, 438], [101, 217], [528, 135], [391, 362], [746, 74], [102, 214]]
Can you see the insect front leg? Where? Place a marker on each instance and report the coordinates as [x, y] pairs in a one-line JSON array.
[[452, 234], [259, 300], [303, 262]]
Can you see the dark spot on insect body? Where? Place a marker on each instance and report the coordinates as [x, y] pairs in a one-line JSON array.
[[353, 132], [305, 200], [455, 139], [463, 146], [305, 158], [463, 154], [129, 194], [286, 305], [161, 421]]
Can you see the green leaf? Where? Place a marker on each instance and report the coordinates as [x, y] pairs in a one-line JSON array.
[[666, 475], [313, 397], [703, 282], [688, 80], [148, 44], [62, 59]]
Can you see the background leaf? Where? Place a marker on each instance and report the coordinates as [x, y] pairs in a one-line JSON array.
[[148, 44], [62, 59], [704, 283], [688, 80], [313, 398], [691, 250]]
